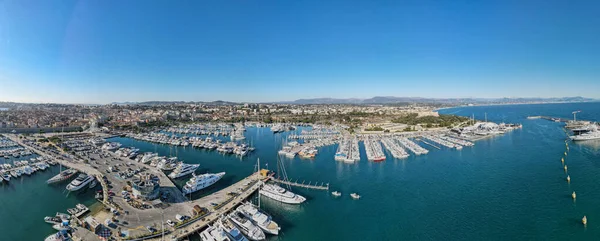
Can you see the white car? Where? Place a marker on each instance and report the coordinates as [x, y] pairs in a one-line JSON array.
[[170, 223]]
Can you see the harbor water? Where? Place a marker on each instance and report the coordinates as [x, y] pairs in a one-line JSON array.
[[506, 187]]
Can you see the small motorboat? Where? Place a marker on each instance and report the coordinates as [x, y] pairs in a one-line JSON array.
[[61, 226], [52, 220], [574, 195], [568, 178], [72, 211], [63, 216], [336, 193], [584, 220], [355, 196]]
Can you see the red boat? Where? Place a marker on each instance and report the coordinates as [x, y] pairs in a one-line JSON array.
[[379, 159]]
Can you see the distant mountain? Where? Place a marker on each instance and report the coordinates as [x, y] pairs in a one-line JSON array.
[[398, 100]]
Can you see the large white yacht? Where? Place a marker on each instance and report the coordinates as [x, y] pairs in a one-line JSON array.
[[589, 132], [200, 182], [246, 226], [281, 194], [594, 135], [261, 219], [183, 169], [214, 233], [81, 181], [231, 231]]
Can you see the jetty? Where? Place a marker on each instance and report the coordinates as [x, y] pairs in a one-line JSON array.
[[310, 185], [244, 188], [424, 141]]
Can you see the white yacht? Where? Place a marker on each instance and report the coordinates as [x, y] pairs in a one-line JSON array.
[[281, 194], [261, 219], [64, 175], [27, 170], [167, 164], [591, 134], [246, 226], [81, 181], [200, 182], [183, 169], [231, 231], [148, 157], [6, 176], [214, 233]]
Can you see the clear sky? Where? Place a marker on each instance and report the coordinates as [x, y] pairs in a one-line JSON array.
[[272, 50]]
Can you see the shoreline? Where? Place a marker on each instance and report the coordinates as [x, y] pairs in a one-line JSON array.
[[507, 104]]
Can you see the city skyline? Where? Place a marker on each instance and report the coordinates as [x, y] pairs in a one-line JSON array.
[[102, 52]]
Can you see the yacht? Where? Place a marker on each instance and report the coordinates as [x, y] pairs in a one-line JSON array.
[[592, 135], [28, 170], [13, 173], [200, 182], [336, 193], [53, 220], [261, 219], [61, 226], [281, 194], [148, 156], [81, 181], [246, 226], [62, 235], [111, 146], [6, 176], [214, 233], [183, 169], [64, 175], [231, 231]]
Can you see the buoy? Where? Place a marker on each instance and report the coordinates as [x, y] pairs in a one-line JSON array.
[[574, 195], [565, 168], [584, 220], [568, 178], [562, 160], [565, 153]]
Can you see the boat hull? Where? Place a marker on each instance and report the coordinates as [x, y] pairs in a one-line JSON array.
[[280, 198]]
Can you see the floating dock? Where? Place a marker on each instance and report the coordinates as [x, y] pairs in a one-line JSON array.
[[317, 186]]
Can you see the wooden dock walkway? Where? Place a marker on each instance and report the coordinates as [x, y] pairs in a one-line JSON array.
[[316, 185]]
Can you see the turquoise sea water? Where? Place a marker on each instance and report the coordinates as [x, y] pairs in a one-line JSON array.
[[509, 187]]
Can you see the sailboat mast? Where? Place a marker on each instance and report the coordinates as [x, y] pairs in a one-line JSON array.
[[258, 168]]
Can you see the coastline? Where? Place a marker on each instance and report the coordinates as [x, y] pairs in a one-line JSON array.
[[507, 104]]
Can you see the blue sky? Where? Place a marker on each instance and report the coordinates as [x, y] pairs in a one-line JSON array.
[[105, 51]]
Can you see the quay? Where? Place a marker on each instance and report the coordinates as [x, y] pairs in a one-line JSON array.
[[216, 204], [246, 187], [316, 186]]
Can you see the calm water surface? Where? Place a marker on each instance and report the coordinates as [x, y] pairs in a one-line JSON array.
[[509, 187]]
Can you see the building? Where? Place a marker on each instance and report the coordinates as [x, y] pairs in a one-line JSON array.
[[145, 186]]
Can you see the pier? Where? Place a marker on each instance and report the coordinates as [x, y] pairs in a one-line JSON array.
[[424, 141], [316, 185], [246, 187]]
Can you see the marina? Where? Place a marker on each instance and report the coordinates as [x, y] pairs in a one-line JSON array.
[[224, 196], [392, 145]]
